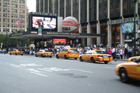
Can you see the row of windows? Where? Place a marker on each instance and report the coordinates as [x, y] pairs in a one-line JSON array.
[[13, 10], [13, 5], [12, 25], [16, 1]]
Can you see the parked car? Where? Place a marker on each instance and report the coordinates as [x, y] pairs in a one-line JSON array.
[[96, 55], [129, 69], [16, 52], [68, 53], [44, 53]]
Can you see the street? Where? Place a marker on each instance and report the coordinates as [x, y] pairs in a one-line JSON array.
[[30, 74]]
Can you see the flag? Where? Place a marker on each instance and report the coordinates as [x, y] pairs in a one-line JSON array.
[[19, 21]]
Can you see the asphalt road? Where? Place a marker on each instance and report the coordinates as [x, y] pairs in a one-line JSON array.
[[30, 74]]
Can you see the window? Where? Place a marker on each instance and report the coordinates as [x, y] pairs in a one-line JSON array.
[[22, 6], [14, 5], [5, 0], [13, 20], [14, 15], [22, 11], [4, 30], [5, 15], [5, 10], [22, 1], [5, 19], [22, 16], [5, 4], [14, 1], [5, 25], [14, 10]]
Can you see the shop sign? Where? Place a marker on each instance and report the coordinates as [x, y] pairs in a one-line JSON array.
[[61, 33], [119, 21], [118, 37]]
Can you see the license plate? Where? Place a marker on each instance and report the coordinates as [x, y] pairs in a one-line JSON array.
[[49, 53], [105, 56]]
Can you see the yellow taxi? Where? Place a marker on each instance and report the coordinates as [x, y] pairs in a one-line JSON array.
[[130, 69], [44, 53], [68, 53], [96, 55], [17, 52]]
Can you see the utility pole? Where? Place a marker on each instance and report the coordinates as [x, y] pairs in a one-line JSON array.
[[135, 1]]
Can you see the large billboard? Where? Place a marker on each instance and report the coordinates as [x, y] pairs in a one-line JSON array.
[[127, 27], [46, 22]]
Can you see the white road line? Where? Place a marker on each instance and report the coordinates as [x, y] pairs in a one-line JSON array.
[[80, 70], [33, 70], [15, 65], [39, 74]]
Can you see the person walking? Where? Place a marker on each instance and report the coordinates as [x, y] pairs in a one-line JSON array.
[[109, 51], [130, 52], [121, 53]]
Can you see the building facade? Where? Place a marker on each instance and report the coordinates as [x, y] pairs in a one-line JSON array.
[[98, 16], [10, 10]]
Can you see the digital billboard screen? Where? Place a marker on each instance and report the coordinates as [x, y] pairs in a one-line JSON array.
[[59, 41], [44, 22], [127, 27]]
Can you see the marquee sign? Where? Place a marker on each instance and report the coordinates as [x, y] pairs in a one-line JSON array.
[[119, 21]]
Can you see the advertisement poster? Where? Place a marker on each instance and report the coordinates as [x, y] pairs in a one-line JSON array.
[[44, 22], [40, 31], [127, 27]]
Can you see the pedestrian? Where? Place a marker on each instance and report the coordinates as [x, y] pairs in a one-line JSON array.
[[109, 51], [121, 53], [130, 52]]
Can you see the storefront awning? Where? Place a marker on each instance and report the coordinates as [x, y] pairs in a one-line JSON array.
[[34, 35]]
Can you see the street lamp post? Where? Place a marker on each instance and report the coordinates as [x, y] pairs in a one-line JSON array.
[[135, 1]]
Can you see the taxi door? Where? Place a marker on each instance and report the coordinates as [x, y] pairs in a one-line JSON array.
[[135, 69], [88, 56], [84, 56]]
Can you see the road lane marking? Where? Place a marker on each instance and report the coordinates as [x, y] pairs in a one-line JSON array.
[[39, 74], [80, 70], [33, 70], [51, 69], [15, 65]]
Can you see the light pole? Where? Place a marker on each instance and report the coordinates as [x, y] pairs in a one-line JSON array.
[[135, 1]]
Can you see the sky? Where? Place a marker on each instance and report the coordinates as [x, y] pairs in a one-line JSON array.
[[31, 4]]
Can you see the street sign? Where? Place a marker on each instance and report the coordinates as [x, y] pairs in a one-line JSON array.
[[40, 31]]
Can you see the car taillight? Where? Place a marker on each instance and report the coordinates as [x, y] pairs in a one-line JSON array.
[[45, 53], [69, 52], [99, 56], [52, 53], [18, 52]]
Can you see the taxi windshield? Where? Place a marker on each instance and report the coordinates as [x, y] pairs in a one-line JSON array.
[[100, 52], [47, 51], [73, 50]]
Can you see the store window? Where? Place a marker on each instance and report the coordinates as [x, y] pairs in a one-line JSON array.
[[116, 29]]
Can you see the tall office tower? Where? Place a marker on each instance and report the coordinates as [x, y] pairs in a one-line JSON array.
[[10, 12]]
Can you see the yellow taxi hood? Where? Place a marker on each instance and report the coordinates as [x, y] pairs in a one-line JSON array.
[[126, 63]]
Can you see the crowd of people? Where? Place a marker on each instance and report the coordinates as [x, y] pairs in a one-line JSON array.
[[118, 52]]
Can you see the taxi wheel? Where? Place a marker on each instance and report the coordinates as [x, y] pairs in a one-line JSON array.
[[65, 57], [92, 60], [36, 55], [81, 59], [123, 75], [106, 62], [15, 54], [42, 55], [10, 54], [22, 54], [57, 56], [75, 58], [50, 56]]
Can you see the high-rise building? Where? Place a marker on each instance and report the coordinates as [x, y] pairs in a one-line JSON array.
[[98, 16], [10, 11]]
